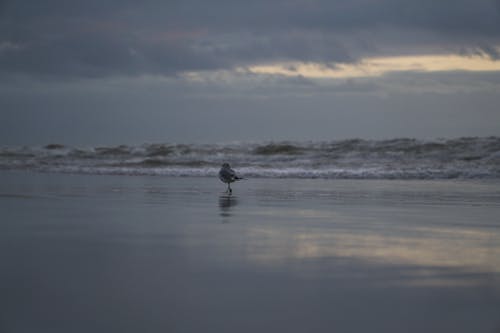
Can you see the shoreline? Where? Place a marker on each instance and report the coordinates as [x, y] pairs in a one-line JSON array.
[[179, 255]]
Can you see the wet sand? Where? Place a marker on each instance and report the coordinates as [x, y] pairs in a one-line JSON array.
[[161, 254]]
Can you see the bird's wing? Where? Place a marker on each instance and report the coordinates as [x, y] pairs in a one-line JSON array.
[[226, 173], [235, 176]]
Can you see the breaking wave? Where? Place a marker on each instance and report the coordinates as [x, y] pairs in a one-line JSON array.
[[356, 158]]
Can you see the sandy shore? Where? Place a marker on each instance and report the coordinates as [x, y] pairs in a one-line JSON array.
[[160, 254]]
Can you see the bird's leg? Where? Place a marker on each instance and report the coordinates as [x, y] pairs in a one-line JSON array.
[[229, 190]]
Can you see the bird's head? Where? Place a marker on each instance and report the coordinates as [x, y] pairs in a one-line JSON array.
[[225, 165]]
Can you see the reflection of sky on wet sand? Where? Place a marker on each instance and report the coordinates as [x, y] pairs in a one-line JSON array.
[[427, 239], [289, 256], [433, 250]]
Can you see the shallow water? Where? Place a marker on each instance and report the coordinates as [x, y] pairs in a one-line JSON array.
[[119, 253]]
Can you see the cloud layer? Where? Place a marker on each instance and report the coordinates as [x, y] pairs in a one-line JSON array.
[[109, 38]]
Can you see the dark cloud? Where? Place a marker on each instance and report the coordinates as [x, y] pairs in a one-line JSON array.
[[105, 38]]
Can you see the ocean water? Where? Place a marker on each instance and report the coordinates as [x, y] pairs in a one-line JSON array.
[[121, 253], [462, 158]]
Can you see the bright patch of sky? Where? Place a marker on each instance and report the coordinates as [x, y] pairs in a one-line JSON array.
[[378, 66]]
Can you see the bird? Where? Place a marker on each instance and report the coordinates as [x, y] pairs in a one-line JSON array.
[[228, 176]]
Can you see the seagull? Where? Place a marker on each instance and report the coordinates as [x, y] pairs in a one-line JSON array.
[[228, 176]]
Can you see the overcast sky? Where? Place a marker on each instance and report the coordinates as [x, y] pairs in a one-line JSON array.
[[118, 71]]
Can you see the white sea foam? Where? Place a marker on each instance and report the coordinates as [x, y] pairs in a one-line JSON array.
[[363, 159]]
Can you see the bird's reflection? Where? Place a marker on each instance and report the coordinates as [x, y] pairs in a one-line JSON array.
[[226, 204]]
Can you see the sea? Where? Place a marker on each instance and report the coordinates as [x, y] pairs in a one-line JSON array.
[[398, 235], [400, 158]]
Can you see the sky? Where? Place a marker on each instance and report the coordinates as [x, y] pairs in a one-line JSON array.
[[131, 72]]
